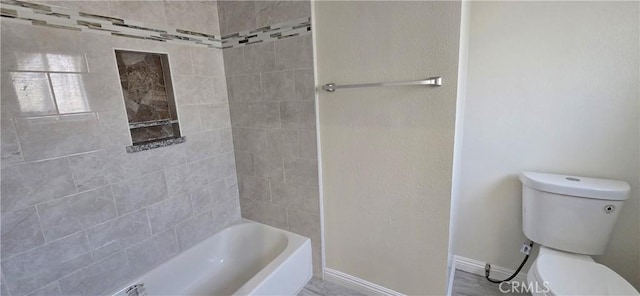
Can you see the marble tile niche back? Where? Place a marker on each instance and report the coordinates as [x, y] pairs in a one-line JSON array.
[[148, 96]]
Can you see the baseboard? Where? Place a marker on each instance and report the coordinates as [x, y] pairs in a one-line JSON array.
[[477, 267], [357, 284]]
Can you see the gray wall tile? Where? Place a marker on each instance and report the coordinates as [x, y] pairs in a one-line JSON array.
[[138, 193], [255, 188], [236, 16], [207, 61], [10, 152], [47, 137], [265, 115], [301, 171], [264, 212], [142, 11], [98, 279], [52, 289], [92, 156], [268, 164], [167, 213], [20, 232], [31, 183], [177, 179], [114, 129], [90, 170], [272, 12], [298, 197], [220, 90], [125, 166], [193, 90], [252, 140], [215, 116], [117, 234], [245, 88], [275, 150], [298, 115], [260, 57], [3, 286], [308, 144], [278, 86], [221, 166], [304, 84], [294, 53], [24, 39], [32, 270], [77, 212], [203, 145], [283, 142], [244, 163], [190, 123], [202, 16], [25, 94], [180, 57], [150, 253], [226, 213], [86, 92], [194, 230], [234, 63]]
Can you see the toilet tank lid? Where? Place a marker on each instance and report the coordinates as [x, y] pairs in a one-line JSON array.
[[576, 186]]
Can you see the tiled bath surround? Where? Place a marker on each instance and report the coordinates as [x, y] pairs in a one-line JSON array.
[[271, 96], [80, 215]]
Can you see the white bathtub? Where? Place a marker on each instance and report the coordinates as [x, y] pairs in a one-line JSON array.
[[244, 259]]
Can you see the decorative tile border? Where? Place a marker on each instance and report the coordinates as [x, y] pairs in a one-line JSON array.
[[70, 19], [155, 144]]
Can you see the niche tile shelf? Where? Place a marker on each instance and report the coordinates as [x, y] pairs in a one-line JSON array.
[[148, 97]]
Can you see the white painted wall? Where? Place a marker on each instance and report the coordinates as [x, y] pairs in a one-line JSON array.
[[553, 87], [387, 153]]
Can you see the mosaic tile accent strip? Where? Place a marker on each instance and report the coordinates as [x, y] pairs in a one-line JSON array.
[[155, 144], [70, 19]]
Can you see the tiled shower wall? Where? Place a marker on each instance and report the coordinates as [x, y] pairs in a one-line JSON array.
[[271, 96], [80, 216]]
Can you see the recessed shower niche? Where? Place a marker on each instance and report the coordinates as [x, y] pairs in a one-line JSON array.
[[149, 101]]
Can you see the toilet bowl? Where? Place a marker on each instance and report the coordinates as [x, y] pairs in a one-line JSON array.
[[572, 219], [561, 273]]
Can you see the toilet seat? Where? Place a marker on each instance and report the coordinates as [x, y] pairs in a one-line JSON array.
[[572, 274]]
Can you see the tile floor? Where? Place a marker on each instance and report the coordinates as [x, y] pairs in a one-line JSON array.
[[464, 284], [468, 284]]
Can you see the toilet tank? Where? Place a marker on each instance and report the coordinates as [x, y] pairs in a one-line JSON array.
[[569, 213]]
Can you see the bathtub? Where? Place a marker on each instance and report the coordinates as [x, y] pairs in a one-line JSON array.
[[244, 259]]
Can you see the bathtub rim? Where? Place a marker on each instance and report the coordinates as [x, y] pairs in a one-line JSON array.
[[258, 278], [295, 244]]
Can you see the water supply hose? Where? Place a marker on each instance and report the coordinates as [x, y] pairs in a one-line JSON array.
[[487, 269]]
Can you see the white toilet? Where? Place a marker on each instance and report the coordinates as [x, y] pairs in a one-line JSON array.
[[572, 218]]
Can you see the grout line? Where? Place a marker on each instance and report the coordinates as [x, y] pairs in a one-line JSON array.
[[45, 244], [40, 224], [73, 179], [146, 213], [93, 256]]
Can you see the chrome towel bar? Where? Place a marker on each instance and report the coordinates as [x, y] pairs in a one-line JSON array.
[[433, 81]]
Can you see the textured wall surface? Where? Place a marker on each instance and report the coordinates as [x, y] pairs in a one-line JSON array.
[[198, 16], [80, 216], [271, 96], [536, 101], [387, 152]]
